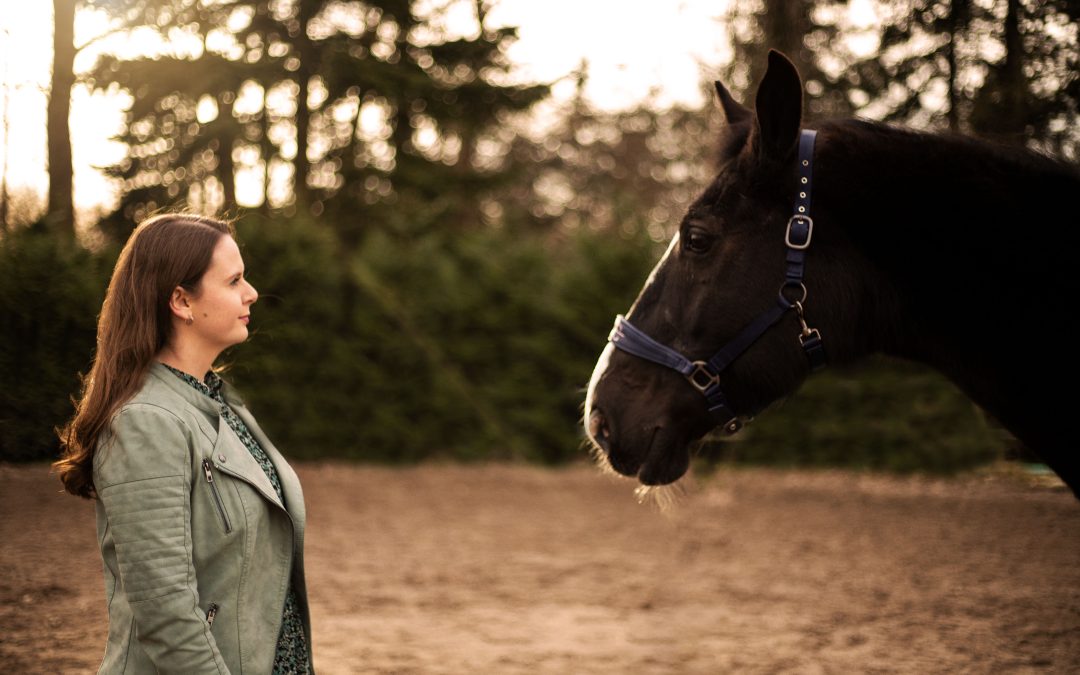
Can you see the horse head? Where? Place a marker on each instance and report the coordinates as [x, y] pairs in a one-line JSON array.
[[722, 269]]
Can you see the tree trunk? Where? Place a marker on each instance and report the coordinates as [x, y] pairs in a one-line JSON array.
[[4, 206], [957, 23], [1013, 84], [61, 214], [784, 24], [307, 55], [1002, 107], [226, 166]]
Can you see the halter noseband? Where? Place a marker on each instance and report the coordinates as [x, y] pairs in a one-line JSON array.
[[705, 375]]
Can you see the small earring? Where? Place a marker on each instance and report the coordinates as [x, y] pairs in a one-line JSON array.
[[189, 320]]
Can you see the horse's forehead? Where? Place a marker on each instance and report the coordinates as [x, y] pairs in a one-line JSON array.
[[725, 182]]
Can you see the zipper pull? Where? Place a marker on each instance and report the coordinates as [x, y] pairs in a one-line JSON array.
[[211, 613], [206, 469]]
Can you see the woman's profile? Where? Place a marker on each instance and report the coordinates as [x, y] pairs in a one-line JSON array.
[[200, 520]]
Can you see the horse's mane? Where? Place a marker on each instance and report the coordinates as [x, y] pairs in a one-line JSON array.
[[872, 136], [980, 153]]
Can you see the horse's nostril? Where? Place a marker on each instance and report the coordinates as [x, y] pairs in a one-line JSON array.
[[598, 428]]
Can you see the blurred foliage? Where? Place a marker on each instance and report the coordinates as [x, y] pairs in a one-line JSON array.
[[610, 170], [50, 295], [1003, 69], [888, 414], [341, 107], [469, 346], [805, 31]]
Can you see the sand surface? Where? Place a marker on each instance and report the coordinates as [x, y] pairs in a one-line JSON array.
[[512, 569]]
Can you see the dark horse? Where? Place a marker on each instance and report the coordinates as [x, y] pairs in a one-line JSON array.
[[935, 248]]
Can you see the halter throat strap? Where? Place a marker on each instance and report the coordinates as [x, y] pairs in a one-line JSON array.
[[705, 375]]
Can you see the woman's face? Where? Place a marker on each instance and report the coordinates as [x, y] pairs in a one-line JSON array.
[[221, 305]]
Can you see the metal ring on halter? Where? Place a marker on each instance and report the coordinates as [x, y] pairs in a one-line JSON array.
[[793, 284], [701, 377]]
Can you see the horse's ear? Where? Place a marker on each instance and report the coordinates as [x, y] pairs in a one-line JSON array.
[[733, 110], [778, 108]]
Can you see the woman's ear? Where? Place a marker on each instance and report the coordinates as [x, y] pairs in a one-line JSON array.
[[179, 305]]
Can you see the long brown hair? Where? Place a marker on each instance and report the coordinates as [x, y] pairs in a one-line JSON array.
[[163, 252]]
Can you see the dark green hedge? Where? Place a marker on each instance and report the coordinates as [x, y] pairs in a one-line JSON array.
[[50, 296], [465, 346], [887, 414]]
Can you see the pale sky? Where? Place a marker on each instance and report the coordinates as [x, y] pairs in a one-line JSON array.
[[637, 52]]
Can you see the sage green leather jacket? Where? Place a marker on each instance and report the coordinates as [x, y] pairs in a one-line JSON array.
[[198, 550]]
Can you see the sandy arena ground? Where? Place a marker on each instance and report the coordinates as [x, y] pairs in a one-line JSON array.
[[510, 569]]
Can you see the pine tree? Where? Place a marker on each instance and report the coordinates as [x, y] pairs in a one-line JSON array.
[[807, 32], [1004, 69], [380, 114]]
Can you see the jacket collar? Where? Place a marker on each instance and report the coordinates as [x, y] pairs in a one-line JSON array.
[[184, 390], [193, 396]]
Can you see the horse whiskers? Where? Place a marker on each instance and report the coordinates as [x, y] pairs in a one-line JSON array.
[[664, 497], [600, 458]]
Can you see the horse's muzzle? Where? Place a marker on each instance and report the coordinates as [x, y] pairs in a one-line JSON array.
[[656, 462], [601, 435]]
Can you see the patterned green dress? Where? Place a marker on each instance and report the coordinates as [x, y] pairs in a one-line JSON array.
[[292, 654]]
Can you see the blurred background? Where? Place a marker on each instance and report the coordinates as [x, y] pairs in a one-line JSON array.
[[444, 203]]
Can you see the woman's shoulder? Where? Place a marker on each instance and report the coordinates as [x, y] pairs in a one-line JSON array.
[[145, 440], [155, 430], [156, 401], [155, 393]]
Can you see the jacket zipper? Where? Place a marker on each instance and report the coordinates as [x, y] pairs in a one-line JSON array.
[[206, 465], [292, 525], [211, 613]]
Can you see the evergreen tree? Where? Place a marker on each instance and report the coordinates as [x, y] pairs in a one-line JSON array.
[[380, 113], [1004, 69], [807, 31], [627, 172]]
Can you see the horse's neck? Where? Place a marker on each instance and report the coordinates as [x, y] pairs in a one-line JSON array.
[[957, 227], [971, 248]]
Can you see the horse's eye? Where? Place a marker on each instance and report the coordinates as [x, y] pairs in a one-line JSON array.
[[697, 240]]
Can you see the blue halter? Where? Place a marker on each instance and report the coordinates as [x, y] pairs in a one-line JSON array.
[[705, 375]]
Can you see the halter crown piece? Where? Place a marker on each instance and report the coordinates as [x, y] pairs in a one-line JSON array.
[[705, 375]]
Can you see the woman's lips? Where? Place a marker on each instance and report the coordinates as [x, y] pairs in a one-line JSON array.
[[246, 318]]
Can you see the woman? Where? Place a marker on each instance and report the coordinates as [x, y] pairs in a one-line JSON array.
[[199, 518]]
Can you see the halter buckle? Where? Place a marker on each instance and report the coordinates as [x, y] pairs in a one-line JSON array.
[[702, 377], [809, 222], [809, 334]]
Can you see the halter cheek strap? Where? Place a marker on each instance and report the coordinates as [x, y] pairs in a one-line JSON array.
[[705, 375]]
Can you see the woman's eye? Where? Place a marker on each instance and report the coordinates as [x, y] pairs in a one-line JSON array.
[[697, 240]]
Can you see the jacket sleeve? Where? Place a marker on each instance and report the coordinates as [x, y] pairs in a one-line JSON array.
[[142, 473]]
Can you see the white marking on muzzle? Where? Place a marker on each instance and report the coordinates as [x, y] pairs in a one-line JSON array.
[[597, 373], [605, 357]]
